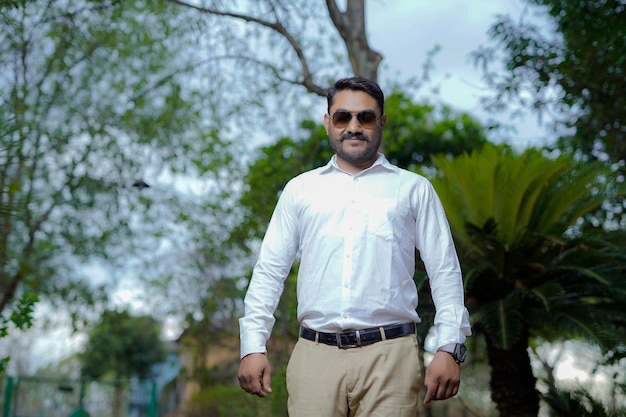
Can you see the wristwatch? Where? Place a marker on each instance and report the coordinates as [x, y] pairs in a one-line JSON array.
[[457, 350], [460, 352]]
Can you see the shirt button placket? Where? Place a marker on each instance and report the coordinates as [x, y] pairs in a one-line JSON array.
[[349, 243]]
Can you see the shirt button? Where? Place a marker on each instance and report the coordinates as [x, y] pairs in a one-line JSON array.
[[346, 285]]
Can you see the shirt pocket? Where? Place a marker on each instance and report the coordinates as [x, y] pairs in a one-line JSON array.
[[380, 218]]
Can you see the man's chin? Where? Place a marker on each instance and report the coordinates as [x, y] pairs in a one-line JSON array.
[[358, 157]]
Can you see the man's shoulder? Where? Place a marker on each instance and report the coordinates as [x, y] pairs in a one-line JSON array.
[[304, 178], [405, 174], [310, 174]]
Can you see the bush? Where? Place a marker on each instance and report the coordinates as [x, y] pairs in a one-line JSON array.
[[231, 401]]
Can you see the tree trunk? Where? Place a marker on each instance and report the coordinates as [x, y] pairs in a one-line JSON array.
[[351, 27], [512, 379]]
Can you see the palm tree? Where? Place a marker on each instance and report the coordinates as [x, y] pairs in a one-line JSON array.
[[532, 267]]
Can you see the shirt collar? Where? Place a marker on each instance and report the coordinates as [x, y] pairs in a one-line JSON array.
[[381, 161]]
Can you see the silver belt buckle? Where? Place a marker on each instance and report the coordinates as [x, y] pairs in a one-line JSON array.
[[340, 345]]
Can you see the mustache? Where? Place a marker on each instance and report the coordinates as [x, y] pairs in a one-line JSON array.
[[357, 136]]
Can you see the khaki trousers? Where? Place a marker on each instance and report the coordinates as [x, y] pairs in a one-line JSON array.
[[378, 380]]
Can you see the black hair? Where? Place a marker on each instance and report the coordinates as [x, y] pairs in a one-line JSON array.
[[357, 84]]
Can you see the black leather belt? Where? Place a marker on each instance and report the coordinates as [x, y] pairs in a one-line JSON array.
[[356, 338]]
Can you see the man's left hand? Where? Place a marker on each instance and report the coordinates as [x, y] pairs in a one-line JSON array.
[[443, 377]]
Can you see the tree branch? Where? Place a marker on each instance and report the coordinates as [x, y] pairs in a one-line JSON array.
[[276, 26], [351, 26]]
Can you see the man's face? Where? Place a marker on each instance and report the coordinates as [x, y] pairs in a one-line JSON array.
[[355, 129]]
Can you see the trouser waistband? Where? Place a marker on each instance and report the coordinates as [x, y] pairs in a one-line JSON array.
[[356, 338]]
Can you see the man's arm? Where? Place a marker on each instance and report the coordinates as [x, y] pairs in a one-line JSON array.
[[452, 326], [277, 254]]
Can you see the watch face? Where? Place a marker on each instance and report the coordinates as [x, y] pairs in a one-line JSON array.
[[460, 352]]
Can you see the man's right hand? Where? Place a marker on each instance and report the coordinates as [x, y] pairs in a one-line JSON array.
[[255, 374]]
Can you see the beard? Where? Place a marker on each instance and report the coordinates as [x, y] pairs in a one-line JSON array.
[[362, 154]]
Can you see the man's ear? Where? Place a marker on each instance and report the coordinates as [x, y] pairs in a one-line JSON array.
[[326, 122], [383, 120]]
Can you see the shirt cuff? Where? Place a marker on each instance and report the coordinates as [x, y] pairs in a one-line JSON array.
[[450, 336], [447, 348], [252, 343]]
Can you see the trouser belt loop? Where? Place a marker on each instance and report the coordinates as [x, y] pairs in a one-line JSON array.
[[383, 336]]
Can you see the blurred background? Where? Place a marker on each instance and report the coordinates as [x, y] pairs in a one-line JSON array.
[[144, 143]]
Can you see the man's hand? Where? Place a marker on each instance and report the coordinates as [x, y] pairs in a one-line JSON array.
[[443, 378], [255, 374]]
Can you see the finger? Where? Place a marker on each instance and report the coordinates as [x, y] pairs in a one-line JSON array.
[[430, 394], [252, 385], [447, 391], [266, 381], [435, 393], [257, 388]]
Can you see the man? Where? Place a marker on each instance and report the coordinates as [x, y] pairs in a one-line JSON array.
[[356, 223]]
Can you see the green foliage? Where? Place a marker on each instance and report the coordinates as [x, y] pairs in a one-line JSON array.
[[21, 317], [267, 175], [575, 72], [514, 219], [530, 270], [20, 313], [94, 95], [226, 401], [416, 132], [521, 193], [122, 346], [579, 403]]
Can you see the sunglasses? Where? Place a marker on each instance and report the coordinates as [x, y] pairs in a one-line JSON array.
[[367, 119]]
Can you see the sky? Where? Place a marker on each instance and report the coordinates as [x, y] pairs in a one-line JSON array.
[[403, 31]]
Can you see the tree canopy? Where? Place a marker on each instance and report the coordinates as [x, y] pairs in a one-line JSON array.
[[573, 72], [122, 346], [93, 98]]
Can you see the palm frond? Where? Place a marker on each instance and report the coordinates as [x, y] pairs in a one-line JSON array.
[[579, 403], [577, 192], [512, 217], [502, 320]]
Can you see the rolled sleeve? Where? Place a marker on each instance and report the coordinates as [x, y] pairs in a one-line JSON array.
[[452, 324]]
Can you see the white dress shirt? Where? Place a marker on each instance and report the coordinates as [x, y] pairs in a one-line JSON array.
[[356, 237]]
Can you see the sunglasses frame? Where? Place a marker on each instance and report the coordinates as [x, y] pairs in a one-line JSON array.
[[359, 116]]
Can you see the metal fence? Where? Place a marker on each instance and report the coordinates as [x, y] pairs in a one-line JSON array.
[[55, 397]]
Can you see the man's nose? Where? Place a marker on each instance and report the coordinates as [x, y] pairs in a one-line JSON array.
[[354, 125]]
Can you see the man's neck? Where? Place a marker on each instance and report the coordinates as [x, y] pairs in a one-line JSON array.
[[354, 167]]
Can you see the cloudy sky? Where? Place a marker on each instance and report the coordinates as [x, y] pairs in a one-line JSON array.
[[405, 30]]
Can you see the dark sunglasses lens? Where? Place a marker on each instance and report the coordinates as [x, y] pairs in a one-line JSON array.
[[367, 119], [341, 118]]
